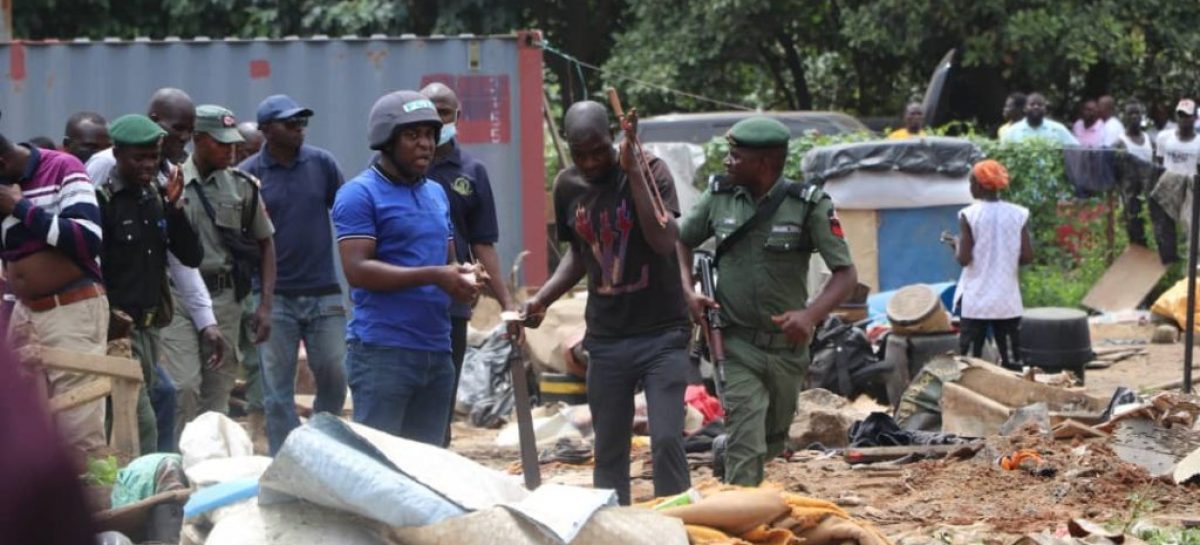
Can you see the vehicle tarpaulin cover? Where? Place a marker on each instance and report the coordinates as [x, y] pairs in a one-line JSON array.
[[951, 157]]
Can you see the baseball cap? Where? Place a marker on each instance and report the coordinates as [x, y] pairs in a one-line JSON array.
[[398, 109], [1186, 106], [276, 107], [218, 122]]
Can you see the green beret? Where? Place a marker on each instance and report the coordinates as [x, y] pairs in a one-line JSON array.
[[135, 130], [758, 131]]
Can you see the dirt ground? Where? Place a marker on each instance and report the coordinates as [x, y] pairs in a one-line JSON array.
[[959, 500]]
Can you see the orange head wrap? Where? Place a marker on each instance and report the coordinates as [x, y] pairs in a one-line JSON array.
[[990, 174]]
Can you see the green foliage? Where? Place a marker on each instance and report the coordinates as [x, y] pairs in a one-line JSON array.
[[101, 471]]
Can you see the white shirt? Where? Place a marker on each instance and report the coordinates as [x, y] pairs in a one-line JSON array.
[[1143, 151], [193, 294], [1113, 131], [1178, 157], [989, 288]]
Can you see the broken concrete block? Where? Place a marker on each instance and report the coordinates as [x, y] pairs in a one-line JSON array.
[[821, 417]]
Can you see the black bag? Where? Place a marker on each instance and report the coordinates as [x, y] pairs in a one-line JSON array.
[[844, 363], [247, 256]]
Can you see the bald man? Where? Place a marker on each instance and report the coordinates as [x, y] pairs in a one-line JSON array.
[[637, 319], [253, 140], [473, 212]]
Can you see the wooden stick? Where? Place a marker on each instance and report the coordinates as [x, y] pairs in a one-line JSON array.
[[93, 390], [661, 214], [78, 362]]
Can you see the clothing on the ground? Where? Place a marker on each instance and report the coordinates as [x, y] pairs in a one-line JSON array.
[[973, 334], [631, 289], [139, 228], [186, 280], [400, 391], [1049, 129], [761, 388], [81, 327], [472, 208], [1177, 155], [410, 224], [57, 210], [298, 199], [659, 362], [989, 288], [320, 323], [902, 133], [764, 265], [1090, 137], [198, 388], [231, 193]]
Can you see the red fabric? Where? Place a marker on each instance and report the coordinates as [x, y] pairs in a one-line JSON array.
[[709, 406]]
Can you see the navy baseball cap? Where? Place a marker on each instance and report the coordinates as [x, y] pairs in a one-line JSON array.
[[276, 107]]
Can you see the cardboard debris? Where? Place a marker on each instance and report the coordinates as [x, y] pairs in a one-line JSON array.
[[1127, 282]]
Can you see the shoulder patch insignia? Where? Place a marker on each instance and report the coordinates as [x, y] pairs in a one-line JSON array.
[[462, 186], [835, 224]]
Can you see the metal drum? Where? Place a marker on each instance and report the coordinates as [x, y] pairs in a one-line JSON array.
[[916, 310], [1056, 339]]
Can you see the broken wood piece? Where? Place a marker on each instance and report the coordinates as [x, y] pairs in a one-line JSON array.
[[868, 455], [1070, 429], [91, 391], [78, 362], [124, 435]]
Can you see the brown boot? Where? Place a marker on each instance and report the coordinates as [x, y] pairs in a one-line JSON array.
[[257, 422]]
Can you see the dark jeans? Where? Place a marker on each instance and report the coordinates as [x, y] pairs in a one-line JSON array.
[[406, 393], [458, 352], [973, 334], [162, 398], [659, 361]]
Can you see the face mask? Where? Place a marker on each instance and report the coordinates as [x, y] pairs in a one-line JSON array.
[[449, 131]]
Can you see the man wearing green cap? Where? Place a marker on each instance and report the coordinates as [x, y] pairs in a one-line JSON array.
[[224, 206], [141, 222], [766, 227]]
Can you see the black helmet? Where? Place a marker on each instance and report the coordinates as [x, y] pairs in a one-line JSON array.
[[400, 109]]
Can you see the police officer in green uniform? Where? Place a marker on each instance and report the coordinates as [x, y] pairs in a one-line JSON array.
[[766, 228], [223, 205], [141, 222]]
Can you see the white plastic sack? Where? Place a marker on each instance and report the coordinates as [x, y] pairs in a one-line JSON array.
[[220, 470], [297, 523], [213, 435], [872, 190], [548, 431]]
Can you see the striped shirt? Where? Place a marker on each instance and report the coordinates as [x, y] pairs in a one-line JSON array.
[[58, 209]]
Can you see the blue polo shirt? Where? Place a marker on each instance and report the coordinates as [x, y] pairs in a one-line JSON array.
[[298, 200], [472, 208], [410, 224]]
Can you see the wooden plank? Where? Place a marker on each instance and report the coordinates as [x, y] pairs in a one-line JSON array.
[[78, 362], [867, 455], [1014, 392], [93, 390], [1127, 281], [969, 413], [125, 425]]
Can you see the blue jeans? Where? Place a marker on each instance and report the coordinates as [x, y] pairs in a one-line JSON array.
[[407, 393], [320, 321]]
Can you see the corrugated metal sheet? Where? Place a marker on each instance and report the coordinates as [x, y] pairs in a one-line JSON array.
[[44, 83]]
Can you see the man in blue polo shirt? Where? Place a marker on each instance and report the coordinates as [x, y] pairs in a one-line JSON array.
[[473, 213], [394, 236], [299, 183]]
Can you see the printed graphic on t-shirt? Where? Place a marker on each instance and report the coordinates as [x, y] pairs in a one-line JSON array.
[[609, 247]]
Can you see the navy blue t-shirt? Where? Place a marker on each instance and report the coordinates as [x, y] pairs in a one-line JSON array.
[[298, 200], [472, 208]]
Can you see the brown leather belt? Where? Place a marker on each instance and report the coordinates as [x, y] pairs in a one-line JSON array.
[[49, 302]]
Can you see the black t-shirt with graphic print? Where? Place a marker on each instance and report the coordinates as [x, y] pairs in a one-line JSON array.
[[631, 290]]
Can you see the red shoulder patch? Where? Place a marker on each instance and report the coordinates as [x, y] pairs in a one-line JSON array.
[[835, 224]]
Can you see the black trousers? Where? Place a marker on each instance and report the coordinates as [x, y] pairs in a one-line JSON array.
[[973, 334], [458, 352], [658, 361]]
